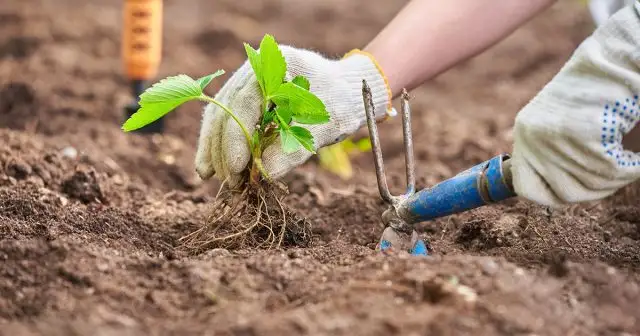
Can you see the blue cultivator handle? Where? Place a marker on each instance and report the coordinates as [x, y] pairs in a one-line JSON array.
[[482, 184]]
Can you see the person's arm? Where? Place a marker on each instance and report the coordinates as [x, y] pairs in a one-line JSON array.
[[428, 37]]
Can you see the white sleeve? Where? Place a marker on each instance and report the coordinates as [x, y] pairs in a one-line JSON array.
[[601, 10]]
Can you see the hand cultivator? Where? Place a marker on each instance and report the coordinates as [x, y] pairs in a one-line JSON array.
[[482, 184]]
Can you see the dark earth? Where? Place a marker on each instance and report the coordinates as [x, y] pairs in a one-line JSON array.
[[90, 217]]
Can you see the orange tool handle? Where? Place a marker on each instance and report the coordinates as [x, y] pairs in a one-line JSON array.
[[142, 38]]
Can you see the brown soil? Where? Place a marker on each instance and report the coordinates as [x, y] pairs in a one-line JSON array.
[[90, 217]]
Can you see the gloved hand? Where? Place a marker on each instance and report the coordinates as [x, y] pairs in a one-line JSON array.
[[222, 148], [567, 140]]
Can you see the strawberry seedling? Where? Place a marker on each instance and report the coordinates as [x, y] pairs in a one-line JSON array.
[[283, 103], [253, 214]]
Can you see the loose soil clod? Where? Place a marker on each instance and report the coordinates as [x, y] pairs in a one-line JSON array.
[[253, 217]]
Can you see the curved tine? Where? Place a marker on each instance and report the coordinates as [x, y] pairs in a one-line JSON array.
[[408, 144], [375, 143]]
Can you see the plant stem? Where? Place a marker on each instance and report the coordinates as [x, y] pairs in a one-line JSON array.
[[228, 111], [265, 105], [258, 169], [256, 151]]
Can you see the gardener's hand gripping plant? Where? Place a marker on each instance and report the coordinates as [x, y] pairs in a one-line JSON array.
[[253, 214], [283, 102]]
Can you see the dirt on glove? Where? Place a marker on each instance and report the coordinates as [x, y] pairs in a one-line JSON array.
[[91, 217]]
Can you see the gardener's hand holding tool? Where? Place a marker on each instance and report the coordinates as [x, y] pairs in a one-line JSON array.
[[568, 141]]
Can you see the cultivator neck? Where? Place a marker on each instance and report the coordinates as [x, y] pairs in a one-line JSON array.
[[485, 183]]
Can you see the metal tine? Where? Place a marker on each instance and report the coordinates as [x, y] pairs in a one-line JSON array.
[[375, 144], [408, 144], [377, 151]]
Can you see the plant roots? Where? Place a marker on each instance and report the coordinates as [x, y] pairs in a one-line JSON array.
[[253, 217]]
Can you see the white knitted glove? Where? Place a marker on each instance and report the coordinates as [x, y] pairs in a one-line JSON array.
[[222, 147], [601, 10], [567, 140]]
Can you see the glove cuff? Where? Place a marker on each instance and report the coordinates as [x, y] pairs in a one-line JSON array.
[[362, 65]]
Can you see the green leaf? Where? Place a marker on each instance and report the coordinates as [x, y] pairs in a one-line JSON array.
[[305, 106], [347, 145], [284, 112], [162, 98], [288, 141], [204, 81], [267, 117], [256, 64], [302, 82], [304, 136], [335, 159], [295, 136], [273, 64], [364, 144]]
